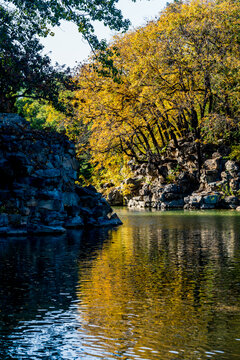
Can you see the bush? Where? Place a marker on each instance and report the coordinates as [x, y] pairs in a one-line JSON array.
[[216, 127]]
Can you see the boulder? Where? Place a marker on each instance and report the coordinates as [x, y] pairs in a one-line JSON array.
[[115, 197], [172, 188], [112, 221], [75, 222], [214, 164], [3, 220], [40, 229], [232, 167], [231, 202], [47, 173], [175, 204], [190, 188], [193, 201], [211, 199], [38, 193], [70, 198]]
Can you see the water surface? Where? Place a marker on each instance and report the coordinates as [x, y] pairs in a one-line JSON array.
[[165, 285]]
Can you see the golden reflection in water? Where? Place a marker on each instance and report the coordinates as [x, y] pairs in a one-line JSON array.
[[157, 291]]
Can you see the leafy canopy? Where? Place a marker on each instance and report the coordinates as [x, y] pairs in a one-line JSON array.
[[24, 70], [82, 12], [174, 78]]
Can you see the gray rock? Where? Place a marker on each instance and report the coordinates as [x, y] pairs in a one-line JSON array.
[[115, 197], [175, 204], [211, 199], [13, 120], [172, 188], [51, 195], [44, 229], [112, 221], [193, 202], [47, 173], [75, 222], [3, 220], [54, 205], [234, 184], [70, 199], [134, 182], [224, 175], [4, 230], [145, 190], [14, 219], [207, 206], [232, 167], [231, 200], [17, 232], [210, 176], [172, 196], [213, 164], [162, 206], [67, 163], [216, 186], [37, 182]]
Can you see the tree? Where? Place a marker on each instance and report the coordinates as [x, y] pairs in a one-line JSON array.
[[82, 12], [40, 114], [174, 76], [24, 71]]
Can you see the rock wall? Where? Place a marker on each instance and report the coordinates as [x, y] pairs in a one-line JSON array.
[[173, 181], [38, 194]]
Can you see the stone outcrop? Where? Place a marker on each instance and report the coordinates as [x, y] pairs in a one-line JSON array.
[[175, 182], [38, 193], [115, 197]]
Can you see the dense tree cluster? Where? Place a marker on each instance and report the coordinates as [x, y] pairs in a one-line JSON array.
[[176, 77], [82, 12], [24, 70]]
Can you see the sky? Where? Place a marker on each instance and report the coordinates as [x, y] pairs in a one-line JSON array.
[[68, 47]]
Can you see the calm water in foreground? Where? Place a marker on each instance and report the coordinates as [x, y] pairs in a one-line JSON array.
[[162, 286]]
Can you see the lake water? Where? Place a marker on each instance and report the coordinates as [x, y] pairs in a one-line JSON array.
[[165, 285]]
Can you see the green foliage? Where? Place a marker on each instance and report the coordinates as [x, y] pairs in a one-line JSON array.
[[41, 114], [226, 190], [173, 174], [24, 71], [127, 189], [217, 127], [81, 12], [85, 171], [235, 153]]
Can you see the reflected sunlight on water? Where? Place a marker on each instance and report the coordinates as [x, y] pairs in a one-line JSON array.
[[162, 286]]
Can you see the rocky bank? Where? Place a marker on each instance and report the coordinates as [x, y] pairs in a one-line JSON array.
[[176, 181], [38, 193]]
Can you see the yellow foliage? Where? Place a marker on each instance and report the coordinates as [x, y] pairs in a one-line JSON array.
[[172, 73]]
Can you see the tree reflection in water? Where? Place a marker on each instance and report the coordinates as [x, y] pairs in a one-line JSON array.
[[164, 287]]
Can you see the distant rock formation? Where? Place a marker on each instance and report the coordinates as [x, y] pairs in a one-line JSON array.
[[38, 194], [174, 181]]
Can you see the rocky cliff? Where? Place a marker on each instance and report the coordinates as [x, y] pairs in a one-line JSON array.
[[177, 181], [38, 194]]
